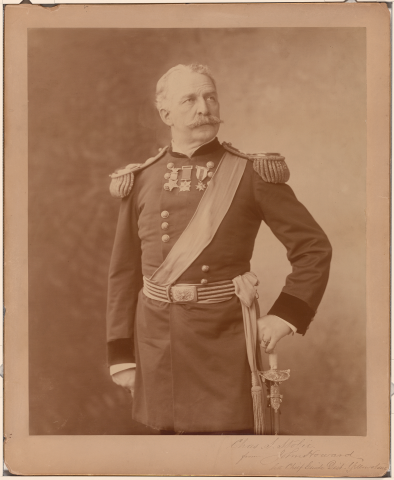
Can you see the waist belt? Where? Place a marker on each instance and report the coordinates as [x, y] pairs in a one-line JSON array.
[[190, 293]]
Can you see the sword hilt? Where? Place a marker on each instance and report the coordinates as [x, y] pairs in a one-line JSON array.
[[273, 360], [275, 377], [273, 374]]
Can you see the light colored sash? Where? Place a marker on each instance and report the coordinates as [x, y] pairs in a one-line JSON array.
[[205, 222]]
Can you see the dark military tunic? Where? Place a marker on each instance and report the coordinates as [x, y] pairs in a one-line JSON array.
[[192, 370]]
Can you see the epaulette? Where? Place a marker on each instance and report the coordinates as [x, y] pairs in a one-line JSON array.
[[123, 178], [271, 167]]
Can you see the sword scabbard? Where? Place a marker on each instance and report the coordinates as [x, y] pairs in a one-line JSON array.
[[273, 378]]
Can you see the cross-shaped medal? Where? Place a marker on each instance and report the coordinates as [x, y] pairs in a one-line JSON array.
[[201, 174]]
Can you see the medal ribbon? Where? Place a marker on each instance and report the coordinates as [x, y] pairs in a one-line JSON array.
[[201, 173]]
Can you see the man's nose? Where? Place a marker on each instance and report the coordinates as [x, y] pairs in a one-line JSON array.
[[202, 107]]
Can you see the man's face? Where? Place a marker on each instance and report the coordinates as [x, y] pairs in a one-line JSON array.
[[191, 101]]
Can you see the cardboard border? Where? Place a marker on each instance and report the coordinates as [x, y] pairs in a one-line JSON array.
[[210, 455]]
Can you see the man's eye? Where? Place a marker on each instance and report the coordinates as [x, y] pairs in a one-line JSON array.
[[212, 99], [188, 100]]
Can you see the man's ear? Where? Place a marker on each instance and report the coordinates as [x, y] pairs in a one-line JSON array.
[[165, 116]]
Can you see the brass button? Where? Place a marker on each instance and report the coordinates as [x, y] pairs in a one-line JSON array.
[[167, 175], [210, 164], [166, 186], [165, 238], [164, 226], [205, 268], [204, 280], [164, 214], [170, 165], [210, 174]]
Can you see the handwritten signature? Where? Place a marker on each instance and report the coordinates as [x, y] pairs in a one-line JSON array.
[[299, 454]]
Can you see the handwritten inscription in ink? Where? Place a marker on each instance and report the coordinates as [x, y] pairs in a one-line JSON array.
[[287, 455]]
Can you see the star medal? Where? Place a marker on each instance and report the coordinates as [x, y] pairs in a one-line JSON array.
[[171, 177], [201, 175], [186, 179]]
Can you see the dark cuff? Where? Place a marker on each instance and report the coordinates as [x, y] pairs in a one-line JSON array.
[[294, 311], [120, 351]]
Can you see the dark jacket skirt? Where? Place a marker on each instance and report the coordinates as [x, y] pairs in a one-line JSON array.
[[192, 370]]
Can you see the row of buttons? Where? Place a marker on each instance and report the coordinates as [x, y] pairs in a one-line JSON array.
[[164, 226], [204, 268]]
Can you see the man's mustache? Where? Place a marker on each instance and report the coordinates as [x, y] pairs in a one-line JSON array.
[[205, 120]]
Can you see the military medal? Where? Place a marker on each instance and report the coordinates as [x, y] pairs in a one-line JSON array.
[[186, 179], [202, 173], [171, 177]]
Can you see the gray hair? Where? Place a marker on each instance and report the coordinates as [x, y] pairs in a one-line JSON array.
[[162, 84]]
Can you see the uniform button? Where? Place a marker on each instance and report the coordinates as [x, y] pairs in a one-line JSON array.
[[167, 175], [210, 164], [164, 214], [164, 226], [166, 187], [170, 165], [210, 174], [204, 280], [165, 238], [205, 268]]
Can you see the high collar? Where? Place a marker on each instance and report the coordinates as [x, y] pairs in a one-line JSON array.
[[209, 147]]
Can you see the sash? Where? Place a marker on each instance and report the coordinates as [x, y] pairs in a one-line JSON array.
[[205, 222]]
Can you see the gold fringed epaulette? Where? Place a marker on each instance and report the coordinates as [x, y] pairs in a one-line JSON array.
[[271, 167], [123, 178]]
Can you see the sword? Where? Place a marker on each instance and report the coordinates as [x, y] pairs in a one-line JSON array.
[[273, 378]]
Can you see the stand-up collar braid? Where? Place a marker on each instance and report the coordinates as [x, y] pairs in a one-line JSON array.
[[209, 147]]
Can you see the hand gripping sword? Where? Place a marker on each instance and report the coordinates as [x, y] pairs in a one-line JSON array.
[[273, 378]]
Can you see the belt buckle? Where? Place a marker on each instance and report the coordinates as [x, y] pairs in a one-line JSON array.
[[184, 293]]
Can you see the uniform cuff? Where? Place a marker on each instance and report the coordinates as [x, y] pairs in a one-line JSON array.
[[120, 367], [293, 310], [293, 328], [120, 351]]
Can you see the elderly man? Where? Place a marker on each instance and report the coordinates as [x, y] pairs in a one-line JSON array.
[[181, 302]]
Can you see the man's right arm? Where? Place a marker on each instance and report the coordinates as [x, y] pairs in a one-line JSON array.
[[124, 284]]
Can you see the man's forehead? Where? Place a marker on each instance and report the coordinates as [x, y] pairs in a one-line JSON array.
[[181, 83]]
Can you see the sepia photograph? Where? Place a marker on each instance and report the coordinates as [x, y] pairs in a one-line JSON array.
[[195, 203], [92, 110]]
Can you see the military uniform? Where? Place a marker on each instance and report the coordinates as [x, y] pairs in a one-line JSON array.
[[192, 370]]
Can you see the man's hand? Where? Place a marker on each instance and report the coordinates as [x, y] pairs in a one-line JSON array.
[[270, 329], [125, 379]]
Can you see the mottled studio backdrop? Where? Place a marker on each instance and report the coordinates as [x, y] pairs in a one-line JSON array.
[[297, 91]]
